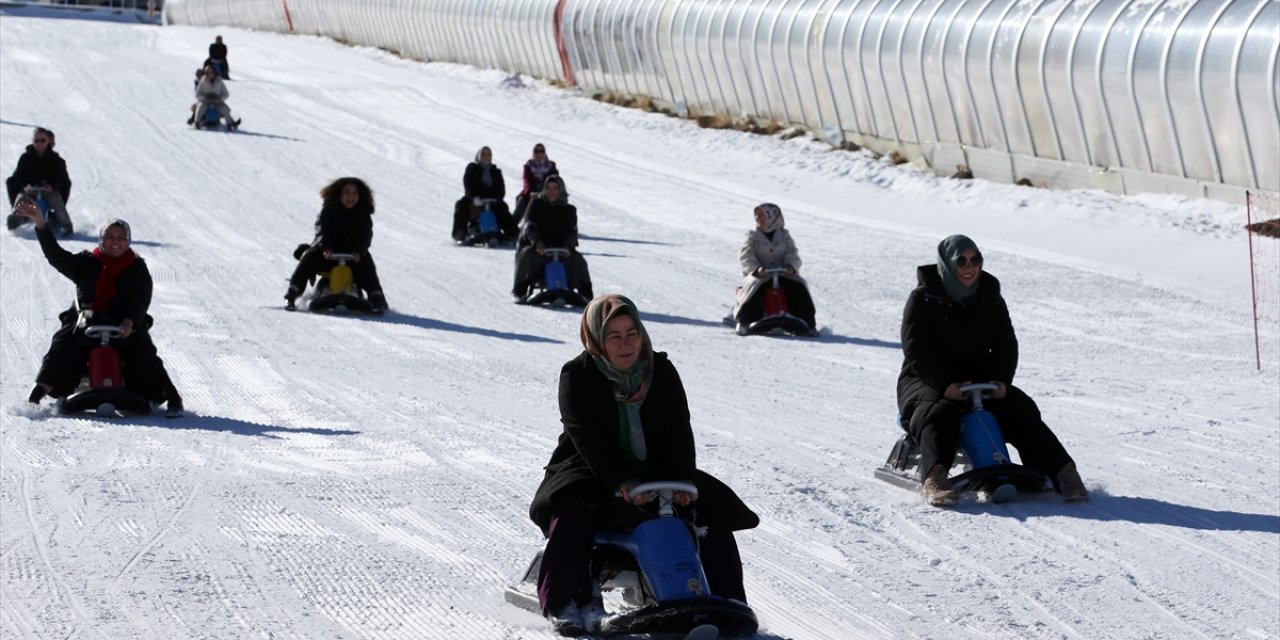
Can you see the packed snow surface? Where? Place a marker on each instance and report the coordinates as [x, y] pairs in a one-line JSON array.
[[341, 477]]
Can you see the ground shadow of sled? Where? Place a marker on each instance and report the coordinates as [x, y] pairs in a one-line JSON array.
[[1108, 508], [441, 325], [193, 421]]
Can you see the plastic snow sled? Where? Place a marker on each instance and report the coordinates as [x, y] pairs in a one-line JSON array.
[[983, 457], [483, 229], [651, 578], [106, 394], [777, 318], [337, 288], [35, 193], [554, 286]]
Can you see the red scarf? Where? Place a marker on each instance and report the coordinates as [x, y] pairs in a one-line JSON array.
[[104, 290]]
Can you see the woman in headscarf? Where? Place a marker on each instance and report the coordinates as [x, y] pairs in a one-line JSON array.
[[626, 421], [113, 287], [536, 170], [551, 222], [482, 181], [955, 331], [769, 246]]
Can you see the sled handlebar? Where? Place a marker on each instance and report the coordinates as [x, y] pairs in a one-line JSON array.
[[977, 391], [556, 253], [342, 258], [104, 332], [666, 490], [774, 272]]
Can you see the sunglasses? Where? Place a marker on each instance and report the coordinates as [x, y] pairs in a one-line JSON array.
[[40, 140], [963, 262]]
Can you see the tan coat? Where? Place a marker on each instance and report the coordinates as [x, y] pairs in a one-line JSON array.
[[759, 251]]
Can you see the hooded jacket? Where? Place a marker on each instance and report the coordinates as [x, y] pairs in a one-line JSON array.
[[945, 341]]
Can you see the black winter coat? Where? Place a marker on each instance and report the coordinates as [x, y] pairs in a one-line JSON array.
[[34, 168], [343, 230], [475, 187], [945, 341], [553, 224], [589, 465], [133, 286], [218, 51]]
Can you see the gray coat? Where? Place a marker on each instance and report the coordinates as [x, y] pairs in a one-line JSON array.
[[760, 251], [212, 90]]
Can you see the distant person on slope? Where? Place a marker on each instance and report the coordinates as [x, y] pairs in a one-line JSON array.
[[345, 225], [481, 181], [211, 93], [626, 421], [955, 331], [536, 170], [113, 286], [769, 246], [41, 172], [550, 223], [218, 57]]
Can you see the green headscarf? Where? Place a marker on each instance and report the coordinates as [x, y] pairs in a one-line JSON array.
[[949, 249]]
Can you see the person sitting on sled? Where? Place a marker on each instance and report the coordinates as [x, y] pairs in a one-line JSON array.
[[769, 246], [482, 180], [345, 225], [113, 286], [41, 168], [536, 171], [626, 421], [211, 93], [955, 331], [550, 222]]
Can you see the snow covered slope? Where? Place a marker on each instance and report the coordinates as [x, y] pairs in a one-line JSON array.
[[369, 478]]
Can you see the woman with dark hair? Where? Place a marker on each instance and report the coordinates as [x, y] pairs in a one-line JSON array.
[[345, 225], [113, 287], [482, 181], [41, 169], [536, 170], [956, 331], [626, 421]]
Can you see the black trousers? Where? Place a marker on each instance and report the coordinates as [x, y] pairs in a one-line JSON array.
[[566, 573], [462, 214], [67, 361], [798, 301], [313, 262], [934, 422], [530, 265]]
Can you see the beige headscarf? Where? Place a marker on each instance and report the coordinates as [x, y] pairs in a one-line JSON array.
[[629, 387]]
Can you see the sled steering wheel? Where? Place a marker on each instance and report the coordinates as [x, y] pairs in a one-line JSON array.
[[342, 258], [557, 253], [977, 391], [104, 332], [666, 491]]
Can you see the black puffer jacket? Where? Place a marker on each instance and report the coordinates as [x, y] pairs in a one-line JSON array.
[[588, 460], [945, 341], [133, 286], [343, 230], [554, 224], [34, 168], [473, 182]]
